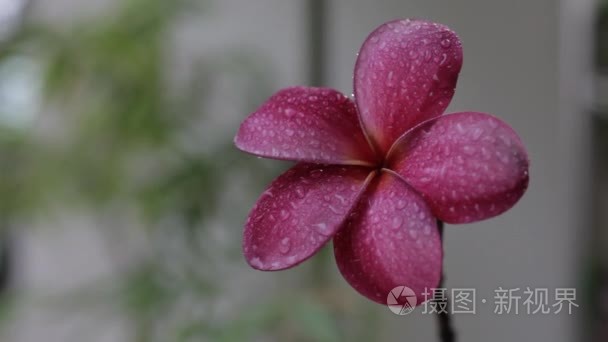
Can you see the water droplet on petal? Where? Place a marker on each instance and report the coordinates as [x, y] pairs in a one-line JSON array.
[[300, 192], [256, 262], [476, 133], [468, 150], [400, 204], [335, 210], [413, 234], [316, 173], [289, 112], [341, 199], [390, 81], [397, 221], [285, 245], [446, 43], [321, 228]]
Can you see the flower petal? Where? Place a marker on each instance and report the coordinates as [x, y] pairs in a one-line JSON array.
[[406, 73], [468, 166], [390, 240], [318, 125], [300, 211]]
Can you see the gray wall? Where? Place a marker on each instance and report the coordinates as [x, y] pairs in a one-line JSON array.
[[515, 68]]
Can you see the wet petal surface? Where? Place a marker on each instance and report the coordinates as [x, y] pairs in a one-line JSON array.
[[299, 212], [468, 166], [317, 125], [390, 240], [406, 73]]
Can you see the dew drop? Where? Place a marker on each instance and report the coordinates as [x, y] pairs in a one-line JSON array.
[[400, 204], [469, 150], [493, 123], [300, 192], [476, 133], [335, 210], [413, 234], [446, 43], [341, 199], [289, 112], [460, 128], [486, 154], [321, 228], [390, 82], [427, 55], [285, 245], [316, 173], [284, 214], [397, 221], [504, 158], [256, 262]]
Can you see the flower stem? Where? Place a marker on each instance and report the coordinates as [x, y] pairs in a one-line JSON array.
[[444, 318]]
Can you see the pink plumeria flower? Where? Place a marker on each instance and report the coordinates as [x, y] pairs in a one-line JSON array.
[[375, 174]]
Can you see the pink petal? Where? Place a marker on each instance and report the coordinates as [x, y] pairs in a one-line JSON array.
[[300, 211], [405, 74], [317, 125], [391, 240], [468, 166]]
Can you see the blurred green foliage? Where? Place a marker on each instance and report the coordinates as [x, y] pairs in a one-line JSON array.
[[109, 135], [109, 132]]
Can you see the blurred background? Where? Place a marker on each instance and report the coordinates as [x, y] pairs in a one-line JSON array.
[[122, 199]]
